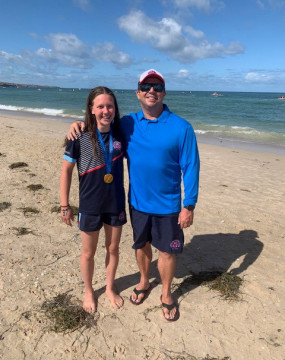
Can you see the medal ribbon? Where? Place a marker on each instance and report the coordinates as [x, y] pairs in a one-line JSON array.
[[108, 159]]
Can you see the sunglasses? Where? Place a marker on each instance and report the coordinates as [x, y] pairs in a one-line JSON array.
[[156, 87]]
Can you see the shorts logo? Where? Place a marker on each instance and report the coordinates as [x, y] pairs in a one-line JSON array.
[[175, 244], [117, 145], [122, 216]]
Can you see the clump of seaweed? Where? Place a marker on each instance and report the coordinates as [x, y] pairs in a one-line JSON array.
[[4, 205], [226, 283], [56, 209], [35, 187], [65, 316], [29, 210], [22, 231], [18, 165]]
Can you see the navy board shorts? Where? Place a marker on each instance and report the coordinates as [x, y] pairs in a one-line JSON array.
[[94, 222], [162, 231]]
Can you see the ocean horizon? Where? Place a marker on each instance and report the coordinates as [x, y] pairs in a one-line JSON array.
[[234, 119]]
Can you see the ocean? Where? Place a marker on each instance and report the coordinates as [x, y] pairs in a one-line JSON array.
[[247, 119]]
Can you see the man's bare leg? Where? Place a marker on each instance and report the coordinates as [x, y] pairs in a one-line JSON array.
[[144, 257], [166, 267]]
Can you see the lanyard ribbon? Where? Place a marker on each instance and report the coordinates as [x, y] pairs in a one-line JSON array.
[[108, 156]]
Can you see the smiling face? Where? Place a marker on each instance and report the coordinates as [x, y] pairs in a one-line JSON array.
[[104, 110], [151, 100]]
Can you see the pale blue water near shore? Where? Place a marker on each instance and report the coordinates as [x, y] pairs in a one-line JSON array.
[[235, 117]]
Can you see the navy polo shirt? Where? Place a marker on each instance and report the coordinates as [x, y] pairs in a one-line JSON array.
[[95, 196]]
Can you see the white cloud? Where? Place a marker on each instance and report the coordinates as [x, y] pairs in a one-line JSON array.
[[109, 53], [276, 3], [67, 60], [183, 74], [67, 44], [200, 4], [254, 77], [82, 4], [198, 34], [167, 36], [72, 52], [66, 52], [10, 57]]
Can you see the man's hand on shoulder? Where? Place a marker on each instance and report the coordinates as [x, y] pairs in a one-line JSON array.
[[75, 128], [185, 218]]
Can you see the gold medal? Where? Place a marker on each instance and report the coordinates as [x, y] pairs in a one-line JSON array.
[[108, 178]]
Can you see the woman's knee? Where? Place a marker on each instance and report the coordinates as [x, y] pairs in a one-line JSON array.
[[88, 254], [112, 249]]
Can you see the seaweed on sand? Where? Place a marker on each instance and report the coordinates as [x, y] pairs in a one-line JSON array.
[[29, 210], [35, 187], [18, 165], [22, 231], [4, 205], [226, 283], [65, 316]]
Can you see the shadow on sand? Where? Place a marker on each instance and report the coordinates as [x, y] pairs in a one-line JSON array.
[[209, 252]]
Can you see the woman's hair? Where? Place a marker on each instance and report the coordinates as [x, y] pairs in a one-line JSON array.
[[90, 119]]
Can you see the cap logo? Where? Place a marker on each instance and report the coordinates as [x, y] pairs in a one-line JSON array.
[[151, 72]]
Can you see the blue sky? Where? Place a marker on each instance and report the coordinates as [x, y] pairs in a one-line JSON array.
[[216, 45]]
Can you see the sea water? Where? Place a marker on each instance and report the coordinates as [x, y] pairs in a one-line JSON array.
[[253, 118]]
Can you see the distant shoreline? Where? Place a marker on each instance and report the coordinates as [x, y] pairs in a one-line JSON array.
[[15, 85]]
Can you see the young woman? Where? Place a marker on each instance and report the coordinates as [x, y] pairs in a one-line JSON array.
[[99, 157]]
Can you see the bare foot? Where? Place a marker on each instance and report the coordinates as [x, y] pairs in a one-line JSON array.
[[89, 303], [116, 300]]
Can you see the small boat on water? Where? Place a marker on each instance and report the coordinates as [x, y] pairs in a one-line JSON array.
[[216, 94], [282, 98]]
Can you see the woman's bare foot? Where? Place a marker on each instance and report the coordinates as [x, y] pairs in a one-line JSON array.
[[116, 300], [89, 303]]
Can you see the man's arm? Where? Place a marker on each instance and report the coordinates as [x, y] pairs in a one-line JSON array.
[[76, 127], [190, 166]]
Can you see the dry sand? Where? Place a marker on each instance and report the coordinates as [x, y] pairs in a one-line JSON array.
[[239, 224]]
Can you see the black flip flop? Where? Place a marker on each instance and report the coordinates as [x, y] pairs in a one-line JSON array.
[[138, 292], [169, 308]]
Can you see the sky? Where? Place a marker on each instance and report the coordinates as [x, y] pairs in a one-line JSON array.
[[208, 45]]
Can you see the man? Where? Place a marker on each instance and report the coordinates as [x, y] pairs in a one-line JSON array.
[[159, 146]]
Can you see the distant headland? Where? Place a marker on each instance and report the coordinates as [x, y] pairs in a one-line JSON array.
[[14, 85]]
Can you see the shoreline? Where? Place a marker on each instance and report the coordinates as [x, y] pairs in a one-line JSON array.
[[232, 143]]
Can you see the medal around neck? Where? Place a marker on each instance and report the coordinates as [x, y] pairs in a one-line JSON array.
[[108, 178]]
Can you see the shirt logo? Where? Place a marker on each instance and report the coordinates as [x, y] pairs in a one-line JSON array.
[[175, 244], [117, 145]]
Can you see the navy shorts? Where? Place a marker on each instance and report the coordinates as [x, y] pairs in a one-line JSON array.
[[94, 222], [162, 231]]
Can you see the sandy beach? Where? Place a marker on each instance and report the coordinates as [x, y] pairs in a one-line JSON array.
[[239, 225]]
